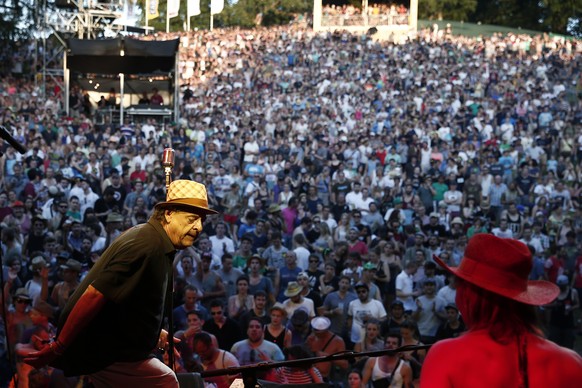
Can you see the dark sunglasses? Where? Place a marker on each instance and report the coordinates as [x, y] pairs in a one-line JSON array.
[[25, 301]]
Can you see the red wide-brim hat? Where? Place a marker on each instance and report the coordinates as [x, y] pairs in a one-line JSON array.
[[502, 266]]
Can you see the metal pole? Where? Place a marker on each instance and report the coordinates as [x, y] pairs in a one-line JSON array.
[[147, 13], [66, 75], [121, 95], [167, 20], [177, 87]]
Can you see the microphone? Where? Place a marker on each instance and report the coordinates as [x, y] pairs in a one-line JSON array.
[[5, 134], [168, 157], [168, 164]]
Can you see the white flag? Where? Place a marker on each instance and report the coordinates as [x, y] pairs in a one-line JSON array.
[[193, 7], [173, 8], [216, 6]]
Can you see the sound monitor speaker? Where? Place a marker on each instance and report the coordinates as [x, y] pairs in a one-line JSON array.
[[65, 4]]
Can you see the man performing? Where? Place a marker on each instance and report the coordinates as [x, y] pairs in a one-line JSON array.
[[504, 346], [112, 323]]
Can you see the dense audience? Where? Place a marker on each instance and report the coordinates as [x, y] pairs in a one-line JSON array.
[[373, 15], [340, 166]]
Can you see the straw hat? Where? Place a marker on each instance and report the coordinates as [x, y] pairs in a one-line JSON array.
[[262, 261], [188, 194], [293, 288], [502, 266]]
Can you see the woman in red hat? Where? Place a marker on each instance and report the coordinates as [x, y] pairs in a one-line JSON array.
[[504, 346]]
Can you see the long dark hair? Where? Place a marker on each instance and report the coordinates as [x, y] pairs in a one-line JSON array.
[[503, 318]]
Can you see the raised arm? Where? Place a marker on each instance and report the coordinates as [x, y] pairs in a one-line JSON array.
[[86, 308]]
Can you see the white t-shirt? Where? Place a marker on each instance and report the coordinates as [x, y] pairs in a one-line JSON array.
[[404, 283], [363, 311], [305, 304]]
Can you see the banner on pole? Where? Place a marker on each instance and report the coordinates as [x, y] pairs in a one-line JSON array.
[[193, 8], [173, 8], [216, 6], [152, 9]]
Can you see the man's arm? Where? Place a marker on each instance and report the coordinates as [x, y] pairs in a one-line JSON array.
[[86, 308], [367, 371], [406, 373]]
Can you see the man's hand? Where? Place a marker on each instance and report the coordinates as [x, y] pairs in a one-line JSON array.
[[163, 341], [44, 356]]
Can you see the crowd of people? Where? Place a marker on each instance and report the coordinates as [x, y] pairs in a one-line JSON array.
[[375, 14], [339, 166]]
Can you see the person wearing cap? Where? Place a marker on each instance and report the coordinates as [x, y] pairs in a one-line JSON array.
[[323, 342], [120, 302], [295, 300], [368, 277], [361, 310], [63, 290], [396, 317], [274, 254], [303, 279], [453, 326], [562, 310], [18, 319], [504, 346], [207, 280]]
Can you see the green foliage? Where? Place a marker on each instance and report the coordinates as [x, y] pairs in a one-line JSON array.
[[447, 9], [555, 15], [11, 16], [544, 15], [238, 13]]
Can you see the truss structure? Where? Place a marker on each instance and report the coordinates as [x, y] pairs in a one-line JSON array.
[[85, 21]]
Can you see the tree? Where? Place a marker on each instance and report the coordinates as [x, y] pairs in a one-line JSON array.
[[446, 9], [556, 14], [16, 17], [539, 15]]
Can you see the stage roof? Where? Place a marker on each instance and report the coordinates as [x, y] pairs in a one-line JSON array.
[[103, 56]]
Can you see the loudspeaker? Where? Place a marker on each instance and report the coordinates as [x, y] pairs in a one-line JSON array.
[[65, 4]]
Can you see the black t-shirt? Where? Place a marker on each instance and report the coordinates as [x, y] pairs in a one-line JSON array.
[[132, 274], [227, 335], [496, 169], [524, 183]]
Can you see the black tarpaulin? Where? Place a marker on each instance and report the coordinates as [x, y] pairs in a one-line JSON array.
[[103, 56]]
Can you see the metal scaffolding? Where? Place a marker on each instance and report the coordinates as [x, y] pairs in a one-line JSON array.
[[83, 19]]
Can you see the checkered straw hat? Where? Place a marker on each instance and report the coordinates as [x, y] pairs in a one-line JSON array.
[[188, 194]]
